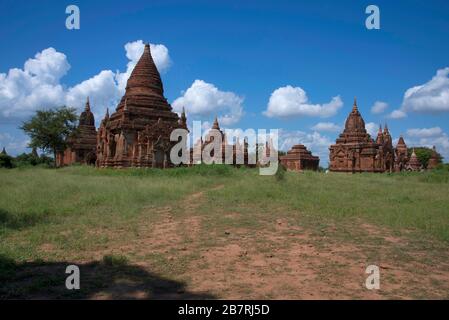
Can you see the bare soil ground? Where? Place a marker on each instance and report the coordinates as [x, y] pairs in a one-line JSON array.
[[175, 253]]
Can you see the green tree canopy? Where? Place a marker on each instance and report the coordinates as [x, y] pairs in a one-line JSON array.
[[50, 129]]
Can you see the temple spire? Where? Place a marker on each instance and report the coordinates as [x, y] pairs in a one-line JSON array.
[[87, 108], [183, 119], [354, 107], [145, 78], [216, 126]]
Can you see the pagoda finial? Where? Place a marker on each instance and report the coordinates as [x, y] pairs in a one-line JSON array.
[[107, 113], [380, 129], [216, 126], [183, 120], [87, 104], [354, 107], [3, 151]]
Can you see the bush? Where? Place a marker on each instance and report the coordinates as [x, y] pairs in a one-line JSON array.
[[30, 159], [115, 260], [6, 161]]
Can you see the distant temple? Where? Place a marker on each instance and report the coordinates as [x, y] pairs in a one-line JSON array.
[[298, 158], [81, 146], [434, 159], [137, 134], [414, 164], [237, 153], [356, 151]]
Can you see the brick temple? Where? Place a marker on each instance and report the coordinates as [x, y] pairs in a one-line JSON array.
[[434, 159], [356, 151], [237, 153], [82, 146], [137, 134], [298, 158]]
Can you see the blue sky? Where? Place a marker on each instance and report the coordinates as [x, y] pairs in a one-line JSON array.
[[248, 49]]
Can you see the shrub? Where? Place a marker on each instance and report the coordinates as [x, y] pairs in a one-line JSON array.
[[6, 161]]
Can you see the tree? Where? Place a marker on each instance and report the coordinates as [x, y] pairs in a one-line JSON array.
[[50, 129], [424, 154]]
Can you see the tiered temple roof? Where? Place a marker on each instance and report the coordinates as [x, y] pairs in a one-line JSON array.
[[86, 137], [414, 164], [355, 150], [138, 132], [299, 158]]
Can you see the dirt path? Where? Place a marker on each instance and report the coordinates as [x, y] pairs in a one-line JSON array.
[[176, 254], [285, 261]]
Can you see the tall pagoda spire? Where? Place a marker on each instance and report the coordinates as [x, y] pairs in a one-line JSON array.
[[87, 117], [87, 108], [354, 106], [145, 78]]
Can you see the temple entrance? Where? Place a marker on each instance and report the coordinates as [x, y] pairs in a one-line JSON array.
[[158, 159]]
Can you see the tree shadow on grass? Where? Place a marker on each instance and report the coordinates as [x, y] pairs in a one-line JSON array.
[[107, 279], [9, 220]]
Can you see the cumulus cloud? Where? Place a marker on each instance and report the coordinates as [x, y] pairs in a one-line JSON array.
[[397, 114], [425, 132], [205, 100], [37, 85], [430, 97], [327, 127], [291, 101], [379, 107], [372, 128]]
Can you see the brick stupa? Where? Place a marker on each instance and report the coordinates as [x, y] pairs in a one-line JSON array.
[[137, 134], [298, 158], [82, 145], [414, 164]]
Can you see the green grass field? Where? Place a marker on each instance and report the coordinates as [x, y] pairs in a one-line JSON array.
[[221, 232]]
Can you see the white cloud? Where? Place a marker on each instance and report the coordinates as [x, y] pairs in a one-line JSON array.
[[293, 102], [397, 114], [326, 126], [379, 107], [431, 97], [37, 85], [425, 132], [204, 99], [372, 129]]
